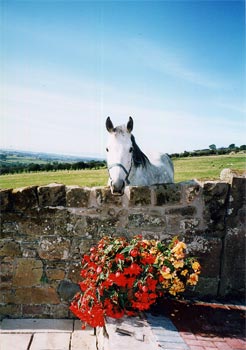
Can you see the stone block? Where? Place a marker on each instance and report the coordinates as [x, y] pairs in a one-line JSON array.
[[35, 226], [84, 226], [208, 252], [10, 310], [59, 310], [52, 195], [28, 252], [8, 225], [54, 248], [191, 191], [167, 194], [103, 196], [36, 295], [5, 202], [233, 277], [8, 295], [189, 226], [74, 271], [28, 272], [207, 286], [215, 197], [55, 274], [40, 311], [228, 174], [77, 197], [67, 290], [77, 225], [188, 211], [107, 225], [6, 274], [49, 220], [237, 197], [139, 196], [10, 249], [146, 221], [24, 198]]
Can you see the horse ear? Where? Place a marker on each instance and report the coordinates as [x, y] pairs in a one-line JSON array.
[[130, 125], [109, 125]]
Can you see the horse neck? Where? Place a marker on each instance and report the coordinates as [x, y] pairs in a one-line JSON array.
[[141, 175]]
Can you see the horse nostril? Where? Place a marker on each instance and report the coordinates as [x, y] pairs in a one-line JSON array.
[[117, 187]]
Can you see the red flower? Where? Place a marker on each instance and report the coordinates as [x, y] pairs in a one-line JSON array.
[[119, 257], [133, 269], [147, 258], [119, 279], [134, 253]]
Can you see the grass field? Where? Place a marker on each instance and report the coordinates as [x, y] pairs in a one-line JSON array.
[[201, 168]]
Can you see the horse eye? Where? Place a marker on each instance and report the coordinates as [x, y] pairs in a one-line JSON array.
[[131, 149], [107, 149]]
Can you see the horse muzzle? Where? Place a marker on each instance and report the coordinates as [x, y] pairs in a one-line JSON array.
[[117, 188]]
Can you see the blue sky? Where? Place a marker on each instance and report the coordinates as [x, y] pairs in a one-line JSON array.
[[177, 67]]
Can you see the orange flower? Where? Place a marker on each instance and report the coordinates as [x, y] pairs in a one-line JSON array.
[[193, 279]]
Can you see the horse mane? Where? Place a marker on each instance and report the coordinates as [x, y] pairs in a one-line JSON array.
[[139, 158]]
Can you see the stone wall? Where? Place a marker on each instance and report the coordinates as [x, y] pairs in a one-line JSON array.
[[45, 231]]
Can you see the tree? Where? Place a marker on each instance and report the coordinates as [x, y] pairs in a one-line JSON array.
[[213, 147], [232, 146]]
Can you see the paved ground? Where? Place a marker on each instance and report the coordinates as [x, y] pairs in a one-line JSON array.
[[150, 333]]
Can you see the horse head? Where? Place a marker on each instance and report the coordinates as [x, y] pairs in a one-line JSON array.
[[119, 155]]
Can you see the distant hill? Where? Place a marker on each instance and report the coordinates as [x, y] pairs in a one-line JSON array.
[[13, 161], [42, 156]]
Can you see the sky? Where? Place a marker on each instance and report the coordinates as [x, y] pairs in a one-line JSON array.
[[176, 67]]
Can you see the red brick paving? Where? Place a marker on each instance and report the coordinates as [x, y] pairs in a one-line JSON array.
[[199, 342]]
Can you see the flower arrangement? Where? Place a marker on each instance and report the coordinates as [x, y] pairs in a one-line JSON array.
[[121, 277]]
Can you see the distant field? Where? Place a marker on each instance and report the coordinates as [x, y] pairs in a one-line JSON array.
[[207, 167], [201, 168]]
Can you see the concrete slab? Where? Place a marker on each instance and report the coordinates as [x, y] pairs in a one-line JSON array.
[[51, 341], [83, 340], [127, 333], [35, 325], [14, 341]]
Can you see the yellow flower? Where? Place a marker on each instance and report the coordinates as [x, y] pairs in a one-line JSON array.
[[165, 272], [165, 284], [196, 266], [193, 279], [184, 272], [153, 250], [177, 250], [177, 287], [178, 263]]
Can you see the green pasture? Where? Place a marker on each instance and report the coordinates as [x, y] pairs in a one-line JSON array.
[[201, 168]]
